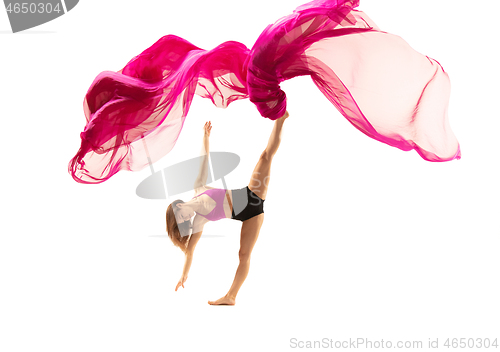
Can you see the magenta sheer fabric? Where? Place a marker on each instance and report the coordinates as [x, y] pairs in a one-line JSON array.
[[380, 84]]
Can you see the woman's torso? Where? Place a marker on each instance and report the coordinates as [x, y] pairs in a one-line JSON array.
[[215, 204]]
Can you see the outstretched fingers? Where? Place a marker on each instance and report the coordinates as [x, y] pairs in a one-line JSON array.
[[207, 128]]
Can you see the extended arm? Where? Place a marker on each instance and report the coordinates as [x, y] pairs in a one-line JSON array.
[[185, 271], [201, 180], [195, 237]]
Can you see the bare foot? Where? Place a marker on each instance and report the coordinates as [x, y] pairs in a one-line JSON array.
[[224, 301], [285, 116]]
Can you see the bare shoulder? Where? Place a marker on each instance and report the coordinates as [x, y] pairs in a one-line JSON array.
[[201, 189], [198, 223]]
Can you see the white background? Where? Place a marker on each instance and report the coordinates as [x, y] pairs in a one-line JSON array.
[[360, 240]]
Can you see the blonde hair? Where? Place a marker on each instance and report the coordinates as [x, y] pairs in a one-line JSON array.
[[178, 233]]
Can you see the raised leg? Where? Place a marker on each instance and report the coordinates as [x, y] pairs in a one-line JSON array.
[[249, 233], [261, 174]]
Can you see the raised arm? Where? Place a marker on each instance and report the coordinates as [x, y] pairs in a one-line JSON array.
[[201, 179]]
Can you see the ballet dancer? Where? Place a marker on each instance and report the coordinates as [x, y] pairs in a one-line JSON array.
[[212, 204]]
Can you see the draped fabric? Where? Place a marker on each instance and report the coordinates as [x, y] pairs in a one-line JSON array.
[[380, 84]]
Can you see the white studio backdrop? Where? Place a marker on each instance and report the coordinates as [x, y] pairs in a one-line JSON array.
[[360, 240]]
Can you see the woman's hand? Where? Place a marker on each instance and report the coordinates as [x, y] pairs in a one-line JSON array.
[[181, 282], [207, 128]]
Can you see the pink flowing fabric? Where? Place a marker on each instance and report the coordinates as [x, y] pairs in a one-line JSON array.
[[380, 84]]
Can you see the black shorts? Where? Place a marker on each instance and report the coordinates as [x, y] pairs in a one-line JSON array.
[[246, 204]]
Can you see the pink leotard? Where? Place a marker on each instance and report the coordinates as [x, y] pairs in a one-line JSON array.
[[217, 195]]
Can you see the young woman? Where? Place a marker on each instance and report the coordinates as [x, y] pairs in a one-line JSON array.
[[211, 204]]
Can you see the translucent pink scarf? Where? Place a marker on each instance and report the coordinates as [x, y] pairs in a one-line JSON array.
[[380, 84]]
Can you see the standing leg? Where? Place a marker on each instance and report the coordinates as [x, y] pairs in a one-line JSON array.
[[249, 233], [259, 181]]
